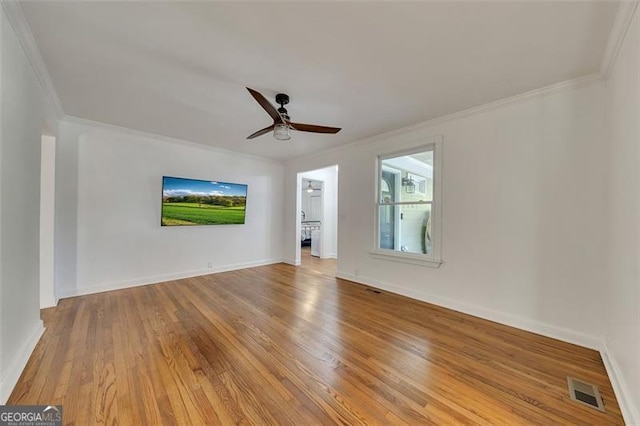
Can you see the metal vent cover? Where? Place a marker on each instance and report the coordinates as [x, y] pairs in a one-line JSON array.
[[585, 393]]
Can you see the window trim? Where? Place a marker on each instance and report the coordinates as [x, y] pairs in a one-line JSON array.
[[434, 260]]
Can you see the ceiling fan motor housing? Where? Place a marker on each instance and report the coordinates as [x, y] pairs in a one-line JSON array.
[[282, 99]]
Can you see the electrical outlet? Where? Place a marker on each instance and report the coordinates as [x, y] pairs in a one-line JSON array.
[[356, 272], [209, 264]]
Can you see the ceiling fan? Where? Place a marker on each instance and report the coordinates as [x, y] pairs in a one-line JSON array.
[[281, 121]]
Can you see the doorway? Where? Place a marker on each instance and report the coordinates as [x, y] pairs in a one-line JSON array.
[[317, 217]]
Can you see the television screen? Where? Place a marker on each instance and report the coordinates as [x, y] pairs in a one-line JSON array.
[[202, 202]]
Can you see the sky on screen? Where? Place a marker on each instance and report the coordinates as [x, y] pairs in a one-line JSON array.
[[175, 187]]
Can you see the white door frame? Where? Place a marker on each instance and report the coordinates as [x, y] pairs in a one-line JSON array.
[[324, 230]]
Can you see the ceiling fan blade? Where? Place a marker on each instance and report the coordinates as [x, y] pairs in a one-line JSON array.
[[313, 128], [261, 132], [264, 103]]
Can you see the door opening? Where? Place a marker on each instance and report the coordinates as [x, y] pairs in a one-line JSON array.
[[317, 217]]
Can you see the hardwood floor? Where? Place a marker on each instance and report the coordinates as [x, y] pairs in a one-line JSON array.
[[285, 345]]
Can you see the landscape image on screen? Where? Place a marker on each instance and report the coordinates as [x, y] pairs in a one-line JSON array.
[[201, 202]]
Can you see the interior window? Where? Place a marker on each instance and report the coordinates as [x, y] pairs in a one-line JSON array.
[[406, 201]]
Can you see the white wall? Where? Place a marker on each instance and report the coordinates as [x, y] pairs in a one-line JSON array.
[[622, 292], [66, 208], [22, 116], [329, 238], [108, 205], [47, 206], [522, 228]]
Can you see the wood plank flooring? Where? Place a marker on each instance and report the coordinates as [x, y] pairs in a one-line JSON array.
[[285, 345]]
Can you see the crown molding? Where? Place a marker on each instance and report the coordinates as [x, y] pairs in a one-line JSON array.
[[15, 14], [156, 137], [621, 24], [624, 16], [572, 84]]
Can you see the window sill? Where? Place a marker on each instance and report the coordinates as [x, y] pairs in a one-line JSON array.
[[404, 257]]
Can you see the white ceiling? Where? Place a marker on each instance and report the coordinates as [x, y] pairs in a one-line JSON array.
[[180, 69]]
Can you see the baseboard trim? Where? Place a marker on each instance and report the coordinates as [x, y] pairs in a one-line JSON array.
[[537, 327], [623, 395], [50, 303], [19, 362], [119, 285], [620, 388], [292, 262]]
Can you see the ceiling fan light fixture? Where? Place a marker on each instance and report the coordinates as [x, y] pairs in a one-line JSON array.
[[309, 188], [281, 132]]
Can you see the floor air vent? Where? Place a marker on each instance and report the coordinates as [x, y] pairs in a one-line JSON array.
[[372, 290], [585, 393]]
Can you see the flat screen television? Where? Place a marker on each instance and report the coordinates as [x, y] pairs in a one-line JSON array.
[[189, 202]]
